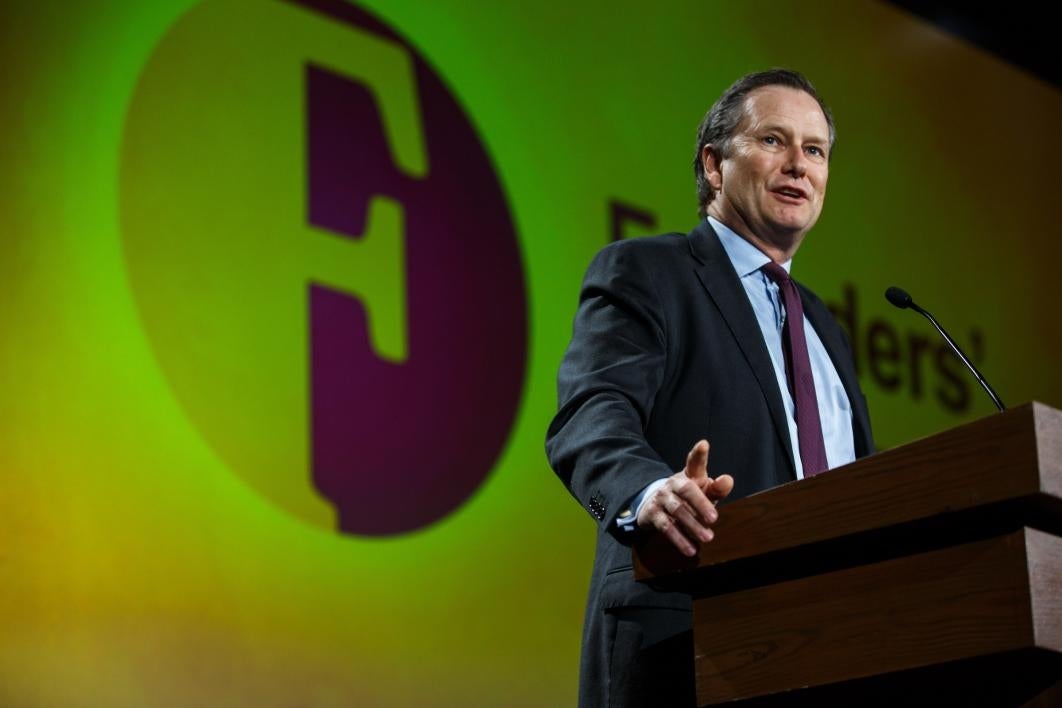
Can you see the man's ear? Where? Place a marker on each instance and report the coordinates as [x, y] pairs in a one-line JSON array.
[[712, 163]]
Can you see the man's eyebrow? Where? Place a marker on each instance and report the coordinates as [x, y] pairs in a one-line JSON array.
[[784, 130]]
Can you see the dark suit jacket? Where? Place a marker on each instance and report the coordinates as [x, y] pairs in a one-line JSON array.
[[666, 350]]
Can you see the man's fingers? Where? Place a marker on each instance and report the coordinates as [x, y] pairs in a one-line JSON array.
[[692, 526], [697, 462], [677, 509], [667, 526], [680, 509], [696, 499]]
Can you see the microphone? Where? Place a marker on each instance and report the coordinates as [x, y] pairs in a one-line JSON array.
[[902, 299]]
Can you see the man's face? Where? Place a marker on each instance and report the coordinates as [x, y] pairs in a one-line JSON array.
[[771, 187]]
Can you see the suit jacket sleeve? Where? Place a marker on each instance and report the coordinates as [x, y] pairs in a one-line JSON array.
[[607, 384]]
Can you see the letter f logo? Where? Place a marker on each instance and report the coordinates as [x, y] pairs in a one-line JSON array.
[[324, 263]]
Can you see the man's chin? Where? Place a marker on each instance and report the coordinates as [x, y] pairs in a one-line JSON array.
[[792, 226], [786, 237], [793, 221]]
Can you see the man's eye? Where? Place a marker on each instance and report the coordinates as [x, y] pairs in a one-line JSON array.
[[816, 151], [770, 140]]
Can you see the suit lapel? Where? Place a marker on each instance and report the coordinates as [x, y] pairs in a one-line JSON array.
[[718, 277], [830, 335]]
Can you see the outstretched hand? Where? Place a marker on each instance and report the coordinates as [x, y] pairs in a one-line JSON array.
[[683, 508]]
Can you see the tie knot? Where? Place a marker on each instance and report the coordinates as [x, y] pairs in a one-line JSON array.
[[776, 272]]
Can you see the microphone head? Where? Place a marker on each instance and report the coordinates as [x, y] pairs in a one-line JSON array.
[[899, 297]]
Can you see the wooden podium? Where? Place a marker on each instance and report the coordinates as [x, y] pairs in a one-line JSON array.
[[930, 574]]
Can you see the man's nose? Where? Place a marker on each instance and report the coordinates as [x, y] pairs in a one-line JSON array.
[[796, 163]]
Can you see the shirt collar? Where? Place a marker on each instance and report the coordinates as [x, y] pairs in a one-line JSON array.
[[747, 259]]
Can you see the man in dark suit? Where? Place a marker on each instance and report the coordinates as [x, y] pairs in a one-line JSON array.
[[684, 339]]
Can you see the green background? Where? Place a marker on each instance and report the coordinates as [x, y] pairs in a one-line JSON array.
[[140, 567]]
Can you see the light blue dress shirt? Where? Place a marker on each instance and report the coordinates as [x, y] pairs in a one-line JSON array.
[[835, 410]]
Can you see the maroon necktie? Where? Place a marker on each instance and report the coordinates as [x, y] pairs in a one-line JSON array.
[[798, 370]]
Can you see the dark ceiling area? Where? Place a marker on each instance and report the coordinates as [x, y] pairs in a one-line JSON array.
[[1017, 32]]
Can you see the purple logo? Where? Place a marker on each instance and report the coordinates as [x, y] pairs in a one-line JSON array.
[[324, 262], [396, 446]]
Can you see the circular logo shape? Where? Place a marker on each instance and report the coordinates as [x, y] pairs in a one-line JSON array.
[[324, 262]]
